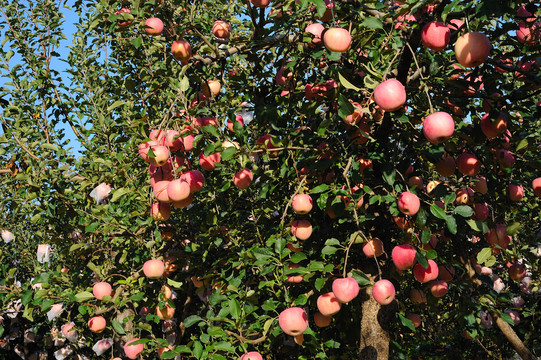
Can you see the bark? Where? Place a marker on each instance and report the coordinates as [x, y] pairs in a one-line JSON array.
[[375, 323]]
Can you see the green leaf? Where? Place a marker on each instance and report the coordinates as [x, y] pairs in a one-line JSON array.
[[425, 236], [328, 250], [83, 296], [228, 153], [234, 308], [298, 257], [484, 255], [421, 259], [1, 330], [192, 319], [464, 210], [373, 23], [522, 144], [389, 174], [332, 241], [26, 297], [319, 283], [421, 217], [49, 146], [513, 229], [197, 349], [438, 212], [319, 189], [168, 355], [507, 319], [118, 327], [119, 192], [267, 326], [345, 83], [344, 106], [360, 277], [406, 322], [76, 246], [479, 226], [225, 346], [184, 84], [451, 224], [174, 284], [115, 105]]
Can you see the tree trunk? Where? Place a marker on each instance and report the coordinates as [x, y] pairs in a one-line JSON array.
[[375, 328]]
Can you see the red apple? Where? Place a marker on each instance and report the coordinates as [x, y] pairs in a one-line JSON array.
[[239, 119], [373, 247], [243, 179], [178, 190], [161, 155], [472, 49], [517, 272], [154, 26], [480, 211], [165, 313], [528, 33], [315, 29], [415, 319], [195, 179], [336, 39], [211, 87], [497, 236], [479, 185], [536, 186], [439, 288], [328, 304], [383, 292], [293, 321], [153, 269], [436, 35], [425, 275], [494, 128], [468, 164], [438, 127], [345, 289], [408, 203], [221, 29], [446, 166], [97, 324], [133, 351], [322, 320], [301, 229], [516, 192], [252, 355], [302, 204], [124, 23], [181, 50], [260, 3], [390, 95], [145, 147], [209, 162], [404, 256], [102, 289]]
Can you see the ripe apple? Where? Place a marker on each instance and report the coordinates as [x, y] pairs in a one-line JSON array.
[[404, 256], [494, 128], [408, 203], [517, 272], [302, 204], [528, 33], [124, 23], [166, 313], [505, 158], [252, 355], [497, 236], [181, 50], [221, 29], [161, 155], [209, 162], [417, 296], [464, 196], [315, 29], [456, 24], [294, 278], [211, 87], [328, 304], [243, 179], [293, 321], [97, 324], [322, 320], [516, 192], [479, 185], [425, 275], [174, 140], [195, 179], [472, 49], [336, 39], [260, 3], [439, 288], [446, 166], [345, 289], [102, 289], [133, 351], [415, 319], [390, 95], [536, 186], [154, 26], [144, 147], [468, 164], [239, 119], [178, 190], [160, 190], [153, 269], [480, 211], [373, 247], [438, 127], [301, 229], [436, 35], [383, 292]]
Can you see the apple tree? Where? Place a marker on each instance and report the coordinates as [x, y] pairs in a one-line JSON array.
[[287, 180]]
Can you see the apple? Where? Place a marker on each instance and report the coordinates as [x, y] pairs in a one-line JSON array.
[[528, 34], [243, 179], [390, 95], [446, 272], [174, 140], [446, 166], [505, 158], [464, 196], [408, 203], [178, 190], [468, 164], [260, 3], [160, 190], [436, 35], [209, 162], [456, 24], [336, 39], [315, 29], [480, 211], [124, 23], [144, 147], [161, 155], [293, 321], [417, 296], [166, 313], [494, 128], [425, 275], [301, 229], [479, 185], [252, 355], [373, 248], [195, 179], [322, 320], [514, 315], [516, 192], [536, 186], [415, 319], [328, 304], [498, 236], [517, 272], [383, 292], [302, 204], [211, 87], [133, 351], [69, 332], [438, 127], [154, 26], [97, 324], [181, 50], [404, 256], [239, 119], [345, 289], [472, 49], [221, 29], [525, 14], [439, 288], [153, 269], [102, 289], [294, 278]]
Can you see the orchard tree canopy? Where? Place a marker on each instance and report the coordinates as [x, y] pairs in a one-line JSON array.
[[299, 179]]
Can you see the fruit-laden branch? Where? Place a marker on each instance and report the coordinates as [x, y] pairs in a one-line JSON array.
[[505, 328]]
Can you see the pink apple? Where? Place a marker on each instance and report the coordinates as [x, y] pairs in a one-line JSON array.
[[472, 49], [174, 140], [383, 292], [436, 35], [468, 164], [336, 39], [404, 256], [145, 147], [239, 119], [161, 155], [221, 29], [408, 203], [505, 158], [153, 269], [438, 127], [494, 128], [446, 166], [102, 289], [154, 26], [315, 29], [252, 355], [301, 229], [516, 192], [97, 324], [439, 288], [195, 179], [69, 332], [373, 247], [178, 190], [123, 23], [390, 95], [181, 50], [133, 351], [498, 237], [209, 162], [328, 304], [345, 289], [536, 186], [425, 275], [160, 190], [322, 320], [293, 321], [243, 179], [456, 24], [302, 204]]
